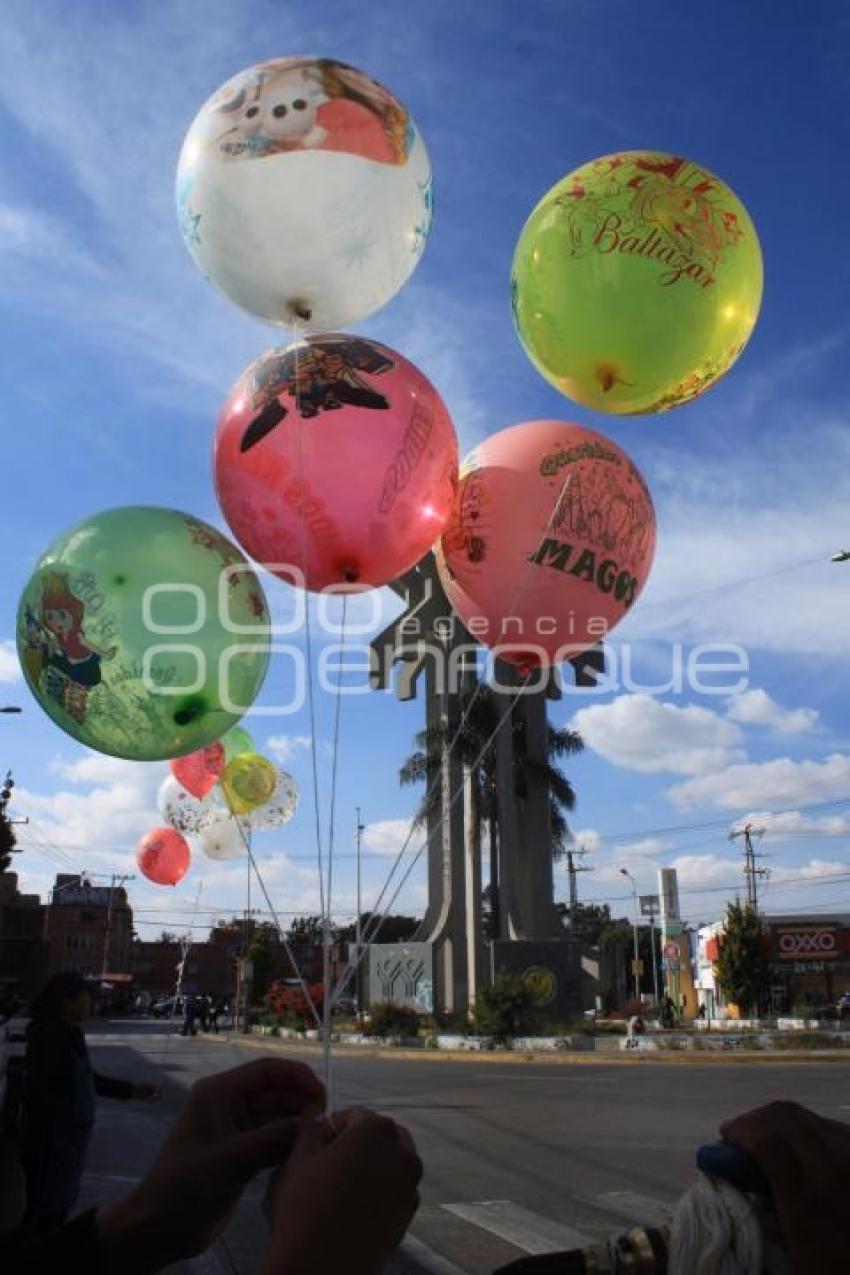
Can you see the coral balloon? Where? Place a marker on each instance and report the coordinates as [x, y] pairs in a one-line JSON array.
[[143, 633], [551, 541], [163, 856], [335, 462], [235, 742], [199, 772], [304, 192], [636, 282], [280, 807], [180, 809], [221, 838], [248, 781]]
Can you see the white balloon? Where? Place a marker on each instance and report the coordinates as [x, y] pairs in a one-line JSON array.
[[221, 838], [304, 192], [281, 805], [180, 808]]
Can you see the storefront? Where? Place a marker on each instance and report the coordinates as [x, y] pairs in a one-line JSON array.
[[809, 960]]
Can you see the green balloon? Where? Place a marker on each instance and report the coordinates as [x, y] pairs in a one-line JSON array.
[[144, 633], [636, 282], [236, 742]]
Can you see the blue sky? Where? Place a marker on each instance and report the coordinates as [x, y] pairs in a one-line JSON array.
[[117, 356]]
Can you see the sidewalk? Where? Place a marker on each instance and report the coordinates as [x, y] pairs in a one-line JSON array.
[[584, 1058]]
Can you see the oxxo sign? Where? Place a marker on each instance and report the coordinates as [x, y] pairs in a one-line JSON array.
[[816, 943]]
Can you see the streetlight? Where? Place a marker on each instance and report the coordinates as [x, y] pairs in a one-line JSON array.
[[10, 708], [843, 555], [636, 971]]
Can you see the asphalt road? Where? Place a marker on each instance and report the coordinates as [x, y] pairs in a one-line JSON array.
[[519, 1157]]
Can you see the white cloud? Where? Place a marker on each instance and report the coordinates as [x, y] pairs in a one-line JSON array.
[[117, 806], [794, 823], [777, 782], [10, 669], [387, 836], [756, 707], [707, 869], [284, 747], [643, 734]]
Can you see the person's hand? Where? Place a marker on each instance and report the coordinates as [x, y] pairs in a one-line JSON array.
[[345, 1198], [233, 1125], [146, 1093], [806, 1159]]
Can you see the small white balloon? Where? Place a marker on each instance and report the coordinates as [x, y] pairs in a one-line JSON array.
[[179, 808], [221, 837], [304, 192], [280, 807]]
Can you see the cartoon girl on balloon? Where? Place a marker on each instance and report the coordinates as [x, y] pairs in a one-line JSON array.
[[57, 650]]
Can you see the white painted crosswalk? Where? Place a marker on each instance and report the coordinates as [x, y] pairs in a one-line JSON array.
[[521, 1227]]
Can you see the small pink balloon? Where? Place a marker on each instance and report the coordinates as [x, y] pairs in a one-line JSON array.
[[199, 772], [163, 856], [335, 462], [550, 543]]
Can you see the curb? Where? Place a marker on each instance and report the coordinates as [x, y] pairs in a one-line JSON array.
[[583, 1059]]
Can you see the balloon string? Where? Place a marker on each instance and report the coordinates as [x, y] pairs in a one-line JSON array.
[[308, 640], [185, 948], [370, 934], [326, 927], [246, 841], [465, 715]]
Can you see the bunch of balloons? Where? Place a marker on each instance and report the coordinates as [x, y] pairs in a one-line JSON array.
[[304, 192], [636, 284], [216, 796]]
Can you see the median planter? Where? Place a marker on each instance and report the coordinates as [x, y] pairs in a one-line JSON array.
[[545, 1044], [469, 1043]]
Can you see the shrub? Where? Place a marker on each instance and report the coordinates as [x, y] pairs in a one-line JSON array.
[[389, 1019], [505, 1009], [290, 1006]]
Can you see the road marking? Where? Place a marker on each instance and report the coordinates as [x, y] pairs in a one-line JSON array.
[[634, 1207], [113, 1177], [426, 1259], [520, 1227]]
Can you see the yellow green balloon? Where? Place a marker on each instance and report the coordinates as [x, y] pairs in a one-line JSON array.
[[144, 633], [636, 282], [248, 782]]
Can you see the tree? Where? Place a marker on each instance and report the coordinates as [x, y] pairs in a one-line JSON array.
[[263, 953], [742, 969], [168, 936], [305, 929], [472, 735], [8, 842], [387, 928], [587, 922]]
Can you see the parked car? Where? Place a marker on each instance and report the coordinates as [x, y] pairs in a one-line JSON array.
[[345, 1005], [170, 1007]]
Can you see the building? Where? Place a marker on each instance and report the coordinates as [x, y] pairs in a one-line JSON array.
[[210, 967], [89, 929], [23, 951], [809, 960]]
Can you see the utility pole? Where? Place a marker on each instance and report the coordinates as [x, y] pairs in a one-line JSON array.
[[360, 829], [121, 880], [573, 870], [751, 871], [636, 963]]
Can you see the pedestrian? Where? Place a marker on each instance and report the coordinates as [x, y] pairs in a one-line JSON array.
[[701, 1013], [215, 1011], [59, 1100], [189, 1011], [203, 1012]]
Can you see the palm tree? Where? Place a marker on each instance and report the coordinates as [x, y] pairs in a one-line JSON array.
[[480, 711]]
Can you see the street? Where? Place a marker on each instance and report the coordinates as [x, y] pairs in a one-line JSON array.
[[519, 1157]]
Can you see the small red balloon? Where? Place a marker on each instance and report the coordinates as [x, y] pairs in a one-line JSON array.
[[335, 462], [163, 856], [550, 543], [199, 772]]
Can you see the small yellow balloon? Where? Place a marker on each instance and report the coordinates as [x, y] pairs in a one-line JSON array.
[[248, 781], [636, 282]]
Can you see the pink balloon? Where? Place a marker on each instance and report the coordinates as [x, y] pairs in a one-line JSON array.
[[337, 458], [550, 543], [163, 856], [199, 772]]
